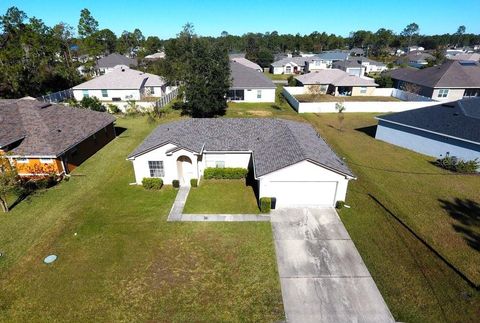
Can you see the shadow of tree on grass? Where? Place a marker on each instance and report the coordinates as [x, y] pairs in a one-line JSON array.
[[467, 213]]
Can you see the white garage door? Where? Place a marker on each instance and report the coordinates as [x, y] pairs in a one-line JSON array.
[[304, 193]]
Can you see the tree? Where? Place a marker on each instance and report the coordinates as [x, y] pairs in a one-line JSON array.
[[264, 57], [152, 45], [224, 34], [87, 25], [410, 31], [460, 31], [251, 49], [9, 182]]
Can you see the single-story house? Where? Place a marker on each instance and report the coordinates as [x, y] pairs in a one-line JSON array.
[[288, 160], [108, 63], [351, 66], [248, 85], [452, 80], [122, 84], [356, 51], [43, 138], [248, 63], [372, 66], [417, 59], [289, 65], [337, 82], [474, 57], [325, 60], [451, 128]]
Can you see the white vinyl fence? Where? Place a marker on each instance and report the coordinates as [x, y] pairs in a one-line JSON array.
[[166, 99], [408, 101]]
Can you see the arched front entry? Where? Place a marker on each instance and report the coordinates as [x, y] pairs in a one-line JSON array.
[[185, 170]]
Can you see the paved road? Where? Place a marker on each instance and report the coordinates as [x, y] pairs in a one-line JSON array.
[[322, 275]]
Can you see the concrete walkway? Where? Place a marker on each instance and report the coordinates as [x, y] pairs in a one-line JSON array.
[[179, 203], [322, 275]]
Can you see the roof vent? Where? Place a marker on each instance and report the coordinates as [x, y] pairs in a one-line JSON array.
[[59, 130]]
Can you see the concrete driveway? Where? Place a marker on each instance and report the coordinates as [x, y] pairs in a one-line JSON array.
[[322, 275]]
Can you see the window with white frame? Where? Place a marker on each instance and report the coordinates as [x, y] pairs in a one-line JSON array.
[[363, 90], [85, 93], [104, 93], [22, 160], [442, 93], [259, 94], [156, 168], [219, 164], [288, 69], [46, 160]]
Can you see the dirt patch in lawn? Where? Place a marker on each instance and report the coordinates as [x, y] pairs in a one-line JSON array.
[[259, 113]]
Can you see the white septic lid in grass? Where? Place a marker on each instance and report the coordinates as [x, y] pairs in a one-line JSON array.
[[49, 259]]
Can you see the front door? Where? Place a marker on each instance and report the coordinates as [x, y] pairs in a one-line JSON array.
[[185, 170]]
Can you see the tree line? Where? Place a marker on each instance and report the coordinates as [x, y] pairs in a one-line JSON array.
[[36, 59]]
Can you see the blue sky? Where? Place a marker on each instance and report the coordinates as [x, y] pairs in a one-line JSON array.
[[210, 17]]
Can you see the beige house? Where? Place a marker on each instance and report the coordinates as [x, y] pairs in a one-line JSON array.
[[337, 83]]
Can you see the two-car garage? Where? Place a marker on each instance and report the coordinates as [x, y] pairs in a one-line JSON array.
[[304, 184]]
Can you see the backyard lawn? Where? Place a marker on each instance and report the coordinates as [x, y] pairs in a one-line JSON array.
[[118, 258], [221, 197], [332, 98], [440, 206], [277, 77]]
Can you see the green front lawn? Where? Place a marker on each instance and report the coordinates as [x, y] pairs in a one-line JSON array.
[[332, 98], [221, 197], [277, 77], [118, 258], [436, 204]]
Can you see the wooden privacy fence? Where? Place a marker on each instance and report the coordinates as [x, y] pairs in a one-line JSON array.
[[164, 100]]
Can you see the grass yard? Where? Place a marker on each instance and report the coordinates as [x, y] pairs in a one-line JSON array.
[[331, 98], [125, 262], [277, 77], [222, 197], [440, 206]]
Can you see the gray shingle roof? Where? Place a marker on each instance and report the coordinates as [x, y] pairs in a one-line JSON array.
[[247, 78], [246, 62], [460, 119], [451, 74], [334, 55], [300, 61], [121, 77], [115, 59], [335, 77], [275, 143], [47, 129]]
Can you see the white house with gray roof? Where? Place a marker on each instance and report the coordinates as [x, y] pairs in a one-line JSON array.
[[288, 160], [108, 63], [122, 84], [249, 85]]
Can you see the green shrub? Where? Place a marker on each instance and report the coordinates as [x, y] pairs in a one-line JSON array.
[[193, 182], [113, 108], [176, 183], [265, 204], [454, 164], [152, 183], [339, 205], [225, 173]]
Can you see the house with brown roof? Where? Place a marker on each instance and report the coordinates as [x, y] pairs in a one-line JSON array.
[[452, 80], [43, 138]]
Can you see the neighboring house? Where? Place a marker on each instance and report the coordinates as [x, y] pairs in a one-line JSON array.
[[325, 60], [356, 51], [337, 82], [247, 63], [452, 80], [351, 66], [108, 63], [417, 59], [122, 84], [451, 128], [248, 85], [42, 138], [414, 49], [473, 57], [287, 160], [289, 65], [372, 66], [155, 56]]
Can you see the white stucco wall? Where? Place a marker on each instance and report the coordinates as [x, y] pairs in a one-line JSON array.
[[453, 94], [313, 176], [427, 144], [267, 95], [277, 70], [233, 159], [122, 94], [140, 164]]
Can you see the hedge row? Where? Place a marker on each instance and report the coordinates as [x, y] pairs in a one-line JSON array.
[[152, 183], [225, 173]]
